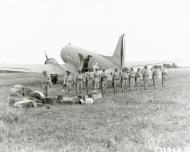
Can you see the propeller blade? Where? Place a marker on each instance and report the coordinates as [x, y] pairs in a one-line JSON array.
[[45, 54]]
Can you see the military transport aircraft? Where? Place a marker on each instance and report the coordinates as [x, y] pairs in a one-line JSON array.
[[77, 58]]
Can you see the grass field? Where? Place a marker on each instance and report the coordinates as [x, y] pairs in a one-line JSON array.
[[138, 121]]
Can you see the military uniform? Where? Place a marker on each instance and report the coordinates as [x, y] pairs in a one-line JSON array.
[[96, 81], [110, 80], [88, 82], [124, 81], [138, 78], [131, 79], [145, 75], [103, 82], [84, 80], [164, 75], [68, 82], [155, 76], [115, 81], [45, 83], [79, 83]]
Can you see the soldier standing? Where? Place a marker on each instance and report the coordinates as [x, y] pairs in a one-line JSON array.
[[152, 70], [124, 80], [83, 78], [145, 75], [138, 78], [115, 80], [96, 80], [68, 81], [88, 82], [110, 79], [164, 75], [79, 82], [131, 79], [45, 83], [155, 76], [103, 81]]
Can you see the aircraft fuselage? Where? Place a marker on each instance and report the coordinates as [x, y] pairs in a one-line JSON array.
[[76, 56]]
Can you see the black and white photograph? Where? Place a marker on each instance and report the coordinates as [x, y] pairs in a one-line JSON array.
[[94, 76]]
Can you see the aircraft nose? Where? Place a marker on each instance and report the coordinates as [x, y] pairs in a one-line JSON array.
[[63, 50]]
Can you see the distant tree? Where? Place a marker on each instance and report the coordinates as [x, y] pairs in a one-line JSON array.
[[167, 65], [174, 65]]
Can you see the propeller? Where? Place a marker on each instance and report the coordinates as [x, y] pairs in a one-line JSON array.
[[46, 55], [50, 60]]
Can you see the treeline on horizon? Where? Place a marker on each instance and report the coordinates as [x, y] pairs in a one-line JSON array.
[[171, 66]]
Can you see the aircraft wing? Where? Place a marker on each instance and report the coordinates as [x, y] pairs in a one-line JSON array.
[[143, 63], [34, 68], [69, 67]]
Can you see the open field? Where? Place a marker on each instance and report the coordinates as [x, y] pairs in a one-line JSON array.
[[140, 121]]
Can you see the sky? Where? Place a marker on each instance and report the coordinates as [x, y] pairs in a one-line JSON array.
[[155, 29]]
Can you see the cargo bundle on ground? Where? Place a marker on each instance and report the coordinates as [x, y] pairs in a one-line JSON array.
[[23, 97]]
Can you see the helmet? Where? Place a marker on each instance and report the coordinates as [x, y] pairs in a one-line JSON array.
[[44, 72]]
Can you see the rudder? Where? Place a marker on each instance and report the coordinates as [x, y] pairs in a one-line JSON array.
[[119, 52]]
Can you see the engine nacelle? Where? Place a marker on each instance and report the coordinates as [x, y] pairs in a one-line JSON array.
[[51, 61]]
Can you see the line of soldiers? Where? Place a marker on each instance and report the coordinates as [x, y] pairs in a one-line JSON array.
[[126, 79], [88, 80]]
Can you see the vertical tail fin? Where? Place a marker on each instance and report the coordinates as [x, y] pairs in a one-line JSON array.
[[119, 53]]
